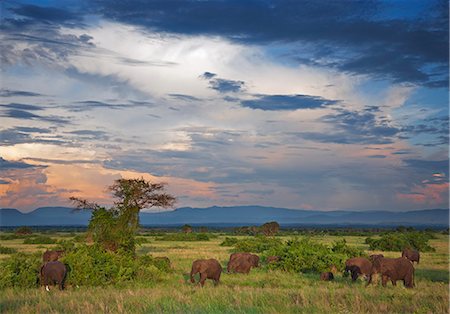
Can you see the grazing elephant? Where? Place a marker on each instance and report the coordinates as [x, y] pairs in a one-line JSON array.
[[252, 258], [53, 273], [272, 259], [208, 269], [358, 266], [327, 276], [374, 256], [240, 265], [51, 256], [393, 269], [412, 255]]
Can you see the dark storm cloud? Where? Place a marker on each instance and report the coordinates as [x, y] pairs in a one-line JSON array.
[[18, 93], [20, 135], [4, 182], [352, 127], [39, 27], [22, 106], [287, 102], [90, 135], [49, 14], [184, 97], [376, 42], [25, 115], [428, 166], [31, 130], [6, 165], [87, 105], [225, 86], [222, 85]]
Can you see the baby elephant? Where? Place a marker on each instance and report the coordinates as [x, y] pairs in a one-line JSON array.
[[327, 276], [52, 273], [208, 269]]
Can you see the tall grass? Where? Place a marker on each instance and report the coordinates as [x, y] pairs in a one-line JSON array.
[[261, 291]]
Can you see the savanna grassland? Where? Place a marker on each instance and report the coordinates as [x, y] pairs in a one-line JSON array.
[[261, 291]]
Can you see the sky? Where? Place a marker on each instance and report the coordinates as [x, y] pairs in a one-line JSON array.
[[318, 105]]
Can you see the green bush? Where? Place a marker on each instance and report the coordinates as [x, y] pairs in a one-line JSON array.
[[5, 237], [397, 241], [95, 266], [184, 237], [305, 255], [20, 270], [257, 244], [40, 240], [7, 250], [229, 241]]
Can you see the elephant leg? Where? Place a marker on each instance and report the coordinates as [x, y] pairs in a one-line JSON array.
[[384, 280], [394, 282], [202, 279], [369, 281], [354, 275]]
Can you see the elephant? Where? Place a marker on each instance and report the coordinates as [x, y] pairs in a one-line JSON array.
[[208, 269], [412, 255], [240, 265], [393, 269], [252, 258], [326, 276], [358, 266], [53, 272], [51, 256], [374, 256]]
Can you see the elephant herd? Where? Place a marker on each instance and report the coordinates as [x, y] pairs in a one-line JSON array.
[[211, 268], [392, 269], [54, 272]]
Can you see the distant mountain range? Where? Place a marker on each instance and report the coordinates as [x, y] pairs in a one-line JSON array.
[[234, 216]]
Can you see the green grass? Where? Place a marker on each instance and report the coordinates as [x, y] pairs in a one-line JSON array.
[[261, 291]]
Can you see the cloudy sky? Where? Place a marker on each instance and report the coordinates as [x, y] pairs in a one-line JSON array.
[[315, 105]]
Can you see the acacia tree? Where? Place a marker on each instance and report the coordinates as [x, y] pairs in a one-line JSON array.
[[270, 228], [114, 228]]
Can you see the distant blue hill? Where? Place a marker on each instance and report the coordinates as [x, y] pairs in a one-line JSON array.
[[234, 216]]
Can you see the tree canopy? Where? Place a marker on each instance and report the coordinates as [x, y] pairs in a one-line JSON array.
[[114, 228]]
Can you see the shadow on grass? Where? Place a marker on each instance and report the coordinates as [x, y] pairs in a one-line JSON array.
[[434, 275]]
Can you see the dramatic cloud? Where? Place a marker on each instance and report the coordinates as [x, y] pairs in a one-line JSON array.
[[354, 128], [377, 41], [286, 102], [305, 104]]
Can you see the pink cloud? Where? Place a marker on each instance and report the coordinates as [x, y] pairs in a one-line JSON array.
[[430, 194]]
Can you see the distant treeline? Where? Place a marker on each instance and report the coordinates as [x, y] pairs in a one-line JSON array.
[[284, 230]]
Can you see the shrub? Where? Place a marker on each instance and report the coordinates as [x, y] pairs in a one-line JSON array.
[[270, 228], [184, 237], [7, 250], [95, 266], [229, 241], [20, 270], [257, 244], [5, 237], [306, 255], [23, 230], [40, 240], [397, 241]]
